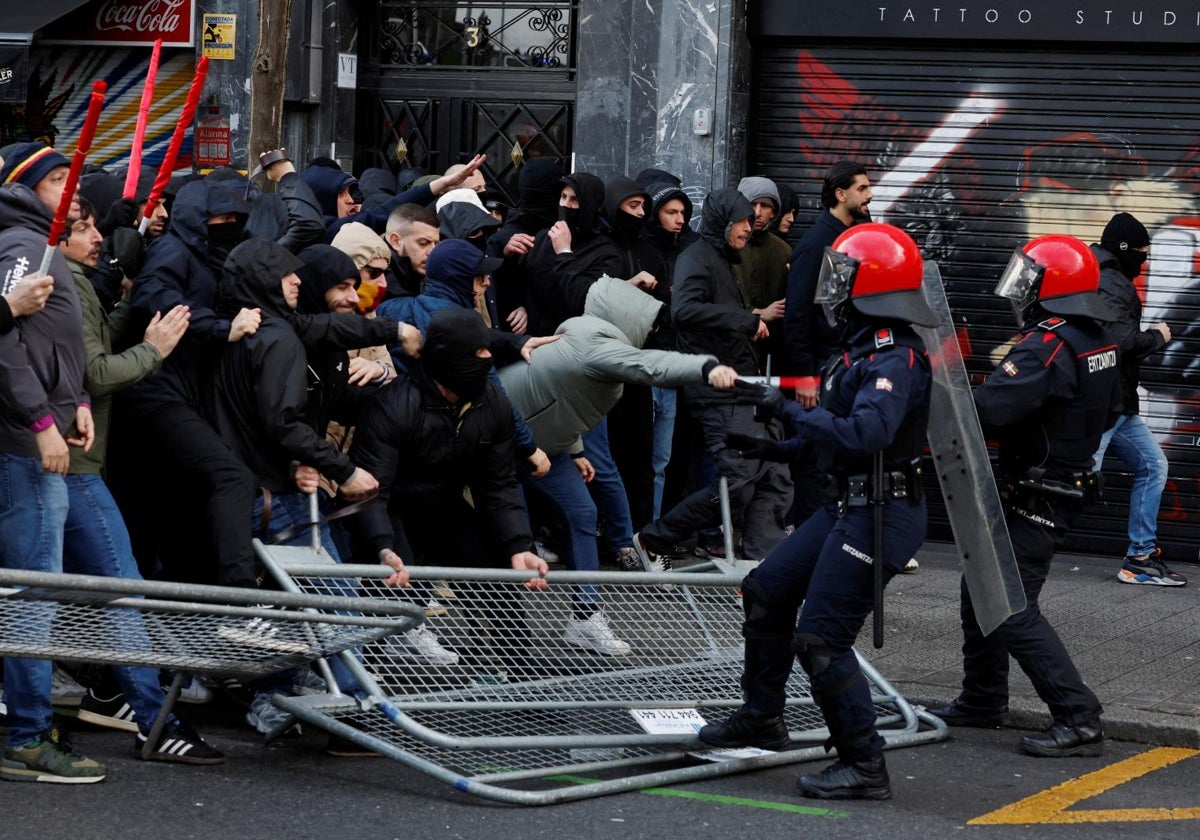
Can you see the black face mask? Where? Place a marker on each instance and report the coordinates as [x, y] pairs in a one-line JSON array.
[[626, 226], [1131, 262], [570, 215], [465, 375], [223, 237]]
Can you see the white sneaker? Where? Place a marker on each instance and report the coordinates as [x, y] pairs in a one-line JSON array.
[[539, 548], [434, 608], [307, 682], [64, 691], [266, 717], [422, 643], [594, 633], [196, 692], [260, 633], [911, 566]]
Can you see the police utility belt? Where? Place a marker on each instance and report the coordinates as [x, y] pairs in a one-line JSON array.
[[1079, 487], [904, 483]]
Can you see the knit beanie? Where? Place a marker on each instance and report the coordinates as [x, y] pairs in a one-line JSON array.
[[29, 163], [1123, 232]]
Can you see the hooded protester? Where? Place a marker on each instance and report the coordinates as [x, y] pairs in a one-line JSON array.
[[439, 429], [657, 176], [789, 208], [539, 186], [371, 255], [712, 316], [567, 389], [456, 275], [566, 259], [375, 181], [259, 393], [461, 215], [620, 448]]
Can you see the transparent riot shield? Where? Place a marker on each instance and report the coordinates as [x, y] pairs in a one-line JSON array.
[[965, 473]]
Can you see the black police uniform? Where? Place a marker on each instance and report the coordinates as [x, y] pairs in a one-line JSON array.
[[1048, 403], [875, 397]]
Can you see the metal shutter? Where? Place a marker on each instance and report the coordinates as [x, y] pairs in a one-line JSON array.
[[967, 146]]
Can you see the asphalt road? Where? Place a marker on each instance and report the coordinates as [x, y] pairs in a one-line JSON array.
[[295, 791]]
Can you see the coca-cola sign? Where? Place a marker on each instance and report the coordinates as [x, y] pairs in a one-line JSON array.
[[126, 22]]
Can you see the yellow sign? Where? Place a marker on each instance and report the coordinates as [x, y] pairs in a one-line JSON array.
[[219, 36], [1053, 805]]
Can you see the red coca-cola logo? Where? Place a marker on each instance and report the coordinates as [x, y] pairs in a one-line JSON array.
[[158, 17]]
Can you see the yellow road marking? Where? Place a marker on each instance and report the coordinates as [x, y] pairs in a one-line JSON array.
[[1050, 806]]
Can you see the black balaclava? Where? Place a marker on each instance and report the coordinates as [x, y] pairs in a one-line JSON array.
[[448, 356], [626, 227], [223, 237], [1122, 236], [584, 220], [539, 186]]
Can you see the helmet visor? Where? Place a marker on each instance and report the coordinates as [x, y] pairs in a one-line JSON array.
[[834, 282], [1019, 283]]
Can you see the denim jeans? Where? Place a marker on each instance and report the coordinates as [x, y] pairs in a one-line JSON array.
[[1130, 440], [664, 433], [607, 487], [33, 513], [565, 488], [291, 510], [96, 542]]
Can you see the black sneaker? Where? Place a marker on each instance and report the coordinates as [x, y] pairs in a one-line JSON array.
[[747, 729], [709, 549], [863, 779], [111, 713], [179, 744]]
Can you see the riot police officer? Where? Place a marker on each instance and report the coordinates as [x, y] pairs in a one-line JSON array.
[[1048, 403], [875, 403]]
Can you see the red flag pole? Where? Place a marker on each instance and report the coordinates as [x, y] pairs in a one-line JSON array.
[[168, 163], [81, 149], [139, 134]]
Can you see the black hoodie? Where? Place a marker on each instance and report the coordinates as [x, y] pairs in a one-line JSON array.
[[540, 185], [708, 309], [558, 283], [260, 388], [178, 270]]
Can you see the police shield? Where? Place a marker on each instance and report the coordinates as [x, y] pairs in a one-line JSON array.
[[965, 473]]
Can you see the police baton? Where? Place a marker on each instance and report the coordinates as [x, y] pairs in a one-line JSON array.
[[877, 553]]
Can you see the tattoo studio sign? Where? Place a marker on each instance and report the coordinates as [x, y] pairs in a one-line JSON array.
[[1027, 20], [126, 23]]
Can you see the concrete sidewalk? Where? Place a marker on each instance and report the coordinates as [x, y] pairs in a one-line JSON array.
[[1137, 647]]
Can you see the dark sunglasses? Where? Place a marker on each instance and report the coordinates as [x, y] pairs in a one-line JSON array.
[[374, 271]]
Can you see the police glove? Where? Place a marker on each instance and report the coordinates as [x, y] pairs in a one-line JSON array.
[[122, 214], [770, 401]]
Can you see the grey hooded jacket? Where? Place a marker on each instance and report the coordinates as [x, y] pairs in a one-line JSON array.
[[42, 360], [571, 384]]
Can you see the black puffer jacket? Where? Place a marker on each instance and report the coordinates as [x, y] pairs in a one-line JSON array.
[[558, 283], [179, 270], [708, 309], [260, 387], [419, 447], [1136, 343]]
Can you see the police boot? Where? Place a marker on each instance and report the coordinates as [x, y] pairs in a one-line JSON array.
[[864, 778], [759, 722], [959, 712], [1063, 740]]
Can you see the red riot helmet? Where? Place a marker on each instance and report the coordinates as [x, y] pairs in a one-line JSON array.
[[1059, 274], [877, 269]]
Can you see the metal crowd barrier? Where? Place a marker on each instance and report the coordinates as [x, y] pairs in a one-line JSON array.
[[190, 629], [520, 714]]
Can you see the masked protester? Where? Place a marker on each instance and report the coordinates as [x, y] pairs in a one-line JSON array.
[[440, 428], [1048, 404], [570, 256], [1122, 252]]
